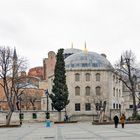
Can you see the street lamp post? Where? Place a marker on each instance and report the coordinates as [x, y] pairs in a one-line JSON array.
[[47, 100], [47, 111], [20, 115]]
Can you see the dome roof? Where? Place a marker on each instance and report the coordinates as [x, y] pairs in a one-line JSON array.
[[71, 51], [26, 85], [85, 60]]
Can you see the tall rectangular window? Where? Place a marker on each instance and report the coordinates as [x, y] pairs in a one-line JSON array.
[[77, 107], [114, 92], [119, 106], [130, 106], [116, 106], [113, 105], [87, 106]]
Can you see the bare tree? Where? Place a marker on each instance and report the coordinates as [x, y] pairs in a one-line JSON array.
[[10, 66], [30, 99], [129, 75], [99, 104]]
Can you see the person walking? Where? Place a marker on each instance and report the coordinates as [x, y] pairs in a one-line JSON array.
[[122, 120], [66, 118], [116, 120]]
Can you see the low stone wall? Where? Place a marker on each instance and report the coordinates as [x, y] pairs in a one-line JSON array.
[[128, 112], [41, 116], [28, 116], [82, 117]]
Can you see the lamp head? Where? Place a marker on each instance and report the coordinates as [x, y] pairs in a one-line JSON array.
[[46, 92]]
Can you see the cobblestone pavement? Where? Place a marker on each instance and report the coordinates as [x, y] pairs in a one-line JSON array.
[[75, 131]]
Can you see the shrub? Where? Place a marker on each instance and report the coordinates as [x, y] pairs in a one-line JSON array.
[[131, 118], [137, 117]]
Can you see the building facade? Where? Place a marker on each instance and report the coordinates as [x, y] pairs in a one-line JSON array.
[[92, 84]]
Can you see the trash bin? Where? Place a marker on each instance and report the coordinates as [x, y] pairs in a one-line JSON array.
[[21, 116], [48, 123]]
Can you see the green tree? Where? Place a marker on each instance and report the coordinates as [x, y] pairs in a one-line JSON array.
[[59, 95]]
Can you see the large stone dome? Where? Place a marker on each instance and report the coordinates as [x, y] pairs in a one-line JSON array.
[[70, 51], [87, 60]]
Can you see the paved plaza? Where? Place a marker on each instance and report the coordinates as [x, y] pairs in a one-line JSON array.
[[76, 131]]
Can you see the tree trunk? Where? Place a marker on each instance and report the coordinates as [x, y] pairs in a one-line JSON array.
[[8, 117], [134, 105], [59, 116]]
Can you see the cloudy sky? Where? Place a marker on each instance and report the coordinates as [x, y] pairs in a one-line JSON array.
[[35, 27]]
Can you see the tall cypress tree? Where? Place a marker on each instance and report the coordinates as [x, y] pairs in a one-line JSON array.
[[59, 95]]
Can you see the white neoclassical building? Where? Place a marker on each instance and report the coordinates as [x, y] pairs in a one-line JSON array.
[[92, 84]]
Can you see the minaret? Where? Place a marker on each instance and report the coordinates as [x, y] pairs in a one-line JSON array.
[[72, 45], [15, 55], [15, 66], [85, 49]]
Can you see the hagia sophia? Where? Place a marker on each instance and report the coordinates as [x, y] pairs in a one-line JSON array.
[[92, 84]]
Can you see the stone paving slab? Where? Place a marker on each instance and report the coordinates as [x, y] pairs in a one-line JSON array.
[[75, 131]]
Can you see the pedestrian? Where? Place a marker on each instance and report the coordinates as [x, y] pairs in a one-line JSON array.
[[116, 120], [122, 119], [66, 118]]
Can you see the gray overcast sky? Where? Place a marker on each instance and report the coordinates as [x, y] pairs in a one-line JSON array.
[[35, 27]]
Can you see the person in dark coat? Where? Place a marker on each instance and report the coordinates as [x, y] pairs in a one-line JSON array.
[[116, 120], [66, 118]]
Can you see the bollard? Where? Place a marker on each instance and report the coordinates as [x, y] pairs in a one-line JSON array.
[[48, 123]]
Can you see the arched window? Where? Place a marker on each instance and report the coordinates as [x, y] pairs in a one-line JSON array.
[[116, 106], [116, 79], [114, 92], [113, 77], [98, 91], [77, 90], [77, 77], [98, 77], [87, 90], [117, 93], [87, 77], [113, 105]]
